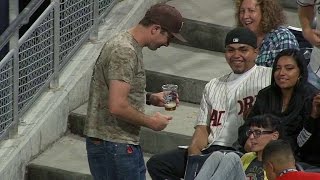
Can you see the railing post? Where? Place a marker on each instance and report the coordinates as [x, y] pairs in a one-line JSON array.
[[54, 84], [13, 13], [94, 33]]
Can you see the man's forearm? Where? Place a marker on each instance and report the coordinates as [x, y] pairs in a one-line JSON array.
[[306, 15], [199, 140], [129, 114]]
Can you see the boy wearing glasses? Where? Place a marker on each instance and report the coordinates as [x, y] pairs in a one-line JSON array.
[[262, 130]]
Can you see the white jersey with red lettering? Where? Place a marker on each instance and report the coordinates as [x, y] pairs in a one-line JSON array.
[[224, 100]]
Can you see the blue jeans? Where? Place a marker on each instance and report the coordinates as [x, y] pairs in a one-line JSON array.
[[115, 161], [223, 167]]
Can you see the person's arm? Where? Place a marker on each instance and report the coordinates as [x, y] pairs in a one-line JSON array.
[[202, 128], [306, 15], [119, 106], [309, 124], [199, 140]]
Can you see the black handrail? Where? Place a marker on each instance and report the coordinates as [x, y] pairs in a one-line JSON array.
[[21, 19]]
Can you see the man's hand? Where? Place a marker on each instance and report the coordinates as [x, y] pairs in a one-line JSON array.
[[159, 121], [313, 36], [157, 99], [192, 150]]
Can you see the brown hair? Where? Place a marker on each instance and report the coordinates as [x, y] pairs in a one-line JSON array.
[[272, 14]]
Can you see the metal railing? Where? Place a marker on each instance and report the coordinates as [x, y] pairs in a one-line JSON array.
[[35, 62]]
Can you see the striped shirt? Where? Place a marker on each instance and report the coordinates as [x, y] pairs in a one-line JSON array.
[[225, 99], [306, 2], [273, 43]]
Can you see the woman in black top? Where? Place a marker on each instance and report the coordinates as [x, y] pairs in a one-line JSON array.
[[295, 101]]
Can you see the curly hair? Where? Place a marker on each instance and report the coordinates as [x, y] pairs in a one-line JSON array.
[[272, 14]]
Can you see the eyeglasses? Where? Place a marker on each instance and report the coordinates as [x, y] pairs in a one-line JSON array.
[[257, 133]]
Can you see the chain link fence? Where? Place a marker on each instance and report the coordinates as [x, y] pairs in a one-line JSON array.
[[27, 70]]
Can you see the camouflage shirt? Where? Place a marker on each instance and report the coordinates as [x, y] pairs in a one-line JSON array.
[[120, 59]]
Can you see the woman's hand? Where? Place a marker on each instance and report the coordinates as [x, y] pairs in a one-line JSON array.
[[315, 113]]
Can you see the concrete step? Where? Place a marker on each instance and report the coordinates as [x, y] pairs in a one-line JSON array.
[[64, 160], [178, 132], [190, 68]]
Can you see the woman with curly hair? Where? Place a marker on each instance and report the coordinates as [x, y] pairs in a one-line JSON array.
[[266, 19]]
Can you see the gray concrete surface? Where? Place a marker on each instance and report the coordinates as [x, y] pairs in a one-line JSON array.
[[64, 160], [46, 121], [183, 117], [186, 62]]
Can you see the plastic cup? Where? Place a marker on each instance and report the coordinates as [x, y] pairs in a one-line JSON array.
[[170, 96]]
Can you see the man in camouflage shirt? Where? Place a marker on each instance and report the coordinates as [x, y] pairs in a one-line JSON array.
[[117, 97]]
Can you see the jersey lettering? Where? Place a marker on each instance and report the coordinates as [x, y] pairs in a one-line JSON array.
[[245, 104], [216, 117]]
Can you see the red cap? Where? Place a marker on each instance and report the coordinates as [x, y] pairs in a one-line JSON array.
[[167, 17]]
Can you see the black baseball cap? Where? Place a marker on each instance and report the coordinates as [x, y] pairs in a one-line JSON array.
[[241, 35]]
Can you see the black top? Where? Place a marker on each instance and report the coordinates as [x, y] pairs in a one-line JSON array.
[[294, 119]]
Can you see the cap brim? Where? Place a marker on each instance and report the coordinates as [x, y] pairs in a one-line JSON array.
[[179, 37]]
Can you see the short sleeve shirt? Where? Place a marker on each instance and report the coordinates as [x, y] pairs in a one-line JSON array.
[[120, 59]]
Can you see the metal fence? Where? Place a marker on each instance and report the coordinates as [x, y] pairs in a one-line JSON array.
[[27, 70]]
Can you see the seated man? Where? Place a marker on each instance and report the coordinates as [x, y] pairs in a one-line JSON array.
[[279, 163], [223, 103]]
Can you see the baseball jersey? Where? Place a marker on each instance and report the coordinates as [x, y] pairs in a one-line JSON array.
[[299, 175], [315, 55], [120, 59], [225, 99]]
